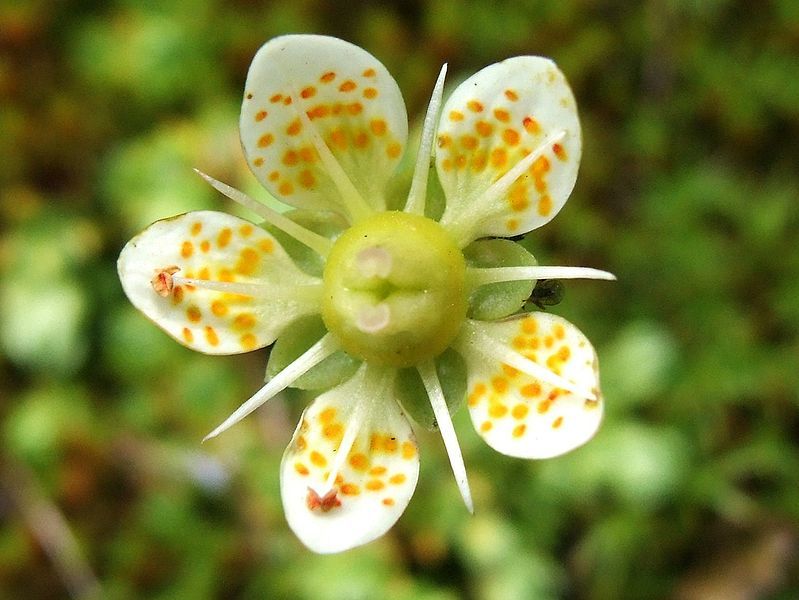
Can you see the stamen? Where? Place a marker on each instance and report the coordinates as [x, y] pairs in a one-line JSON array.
[[354, 203], [319, 244], [462, 225], [499, 187], [163, 282], [427, 370], [354, 423], [374, 262], [418, 194], [484, 276], [312, 357], [472, 340], [256, 288], [372, 319]]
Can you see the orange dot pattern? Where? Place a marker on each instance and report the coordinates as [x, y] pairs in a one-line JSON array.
[[217, 247], [380, 469], [489, 124], [345, 105], [522, 416]]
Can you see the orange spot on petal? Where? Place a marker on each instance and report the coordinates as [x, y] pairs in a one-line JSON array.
[[248, 341], [511, 137], [286, 189], [531, 125], [374, 485], [294, 127], [223, 239], [544, 205], [193, 314], [306, 179], [455, 115], [484, 128], [519, 411], [350, 489], [378, 126], [531, 390], [317, 459], [359, 462], [245, 321], [211, 337], [502, 115], [408, 450]]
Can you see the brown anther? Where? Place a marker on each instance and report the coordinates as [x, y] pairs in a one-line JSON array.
[[324, 503], [162, 280]]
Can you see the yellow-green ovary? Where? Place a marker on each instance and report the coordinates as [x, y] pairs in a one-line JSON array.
[[394, 289]]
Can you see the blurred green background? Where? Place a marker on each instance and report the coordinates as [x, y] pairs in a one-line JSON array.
[[687, 191]]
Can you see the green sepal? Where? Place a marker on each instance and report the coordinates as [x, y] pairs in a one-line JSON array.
[[410, 391], [498, 300], [296, 339], [327, 224]]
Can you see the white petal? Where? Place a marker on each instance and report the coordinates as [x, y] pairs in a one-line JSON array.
[[305, 88], [333, 509], [491, 122], [215, 247], [522, 416]]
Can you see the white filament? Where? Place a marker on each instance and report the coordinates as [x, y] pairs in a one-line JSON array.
[[312, 357], [427, 370], [319, 244], [418, 193], [485, 276]]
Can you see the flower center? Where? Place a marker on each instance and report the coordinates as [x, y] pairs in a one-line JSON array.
[[394, 289]]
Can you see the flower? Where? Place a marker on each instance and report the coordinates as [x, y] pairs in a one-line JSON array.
[[376, 308]]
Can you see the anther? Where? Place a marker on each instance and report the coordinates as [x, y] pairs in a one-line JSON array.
[[162, 281], [324, 503]]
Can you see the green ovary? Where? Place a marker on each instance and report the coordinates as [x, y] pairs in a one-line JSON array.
[[394, 289]]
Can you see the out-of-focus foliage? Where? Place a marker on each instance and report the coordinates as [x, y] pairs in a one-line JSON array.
[[688, 192]]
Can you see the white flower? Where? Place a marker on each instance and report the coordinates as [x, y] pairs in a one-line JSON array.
[[323, 126]]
